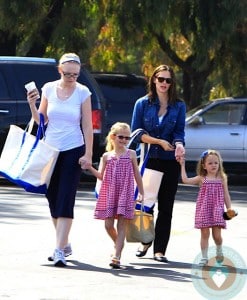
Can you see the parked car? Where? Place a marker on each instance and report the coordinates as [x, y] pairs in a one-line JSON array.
[[121, 90], [222, 125], [15, 72]]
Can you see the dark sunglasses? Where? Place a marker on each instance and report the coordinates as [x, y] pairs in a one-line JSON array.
[[162, 79], [70, 75], [121, 137]]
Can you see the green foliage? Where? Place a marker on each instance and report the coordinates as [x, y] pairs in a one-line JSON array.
[[199, 37], [205, 41], [48, 27]]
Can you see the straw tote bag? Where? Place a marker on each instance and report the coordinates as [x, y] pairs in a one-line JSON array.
[[141, 228], [26, 160]]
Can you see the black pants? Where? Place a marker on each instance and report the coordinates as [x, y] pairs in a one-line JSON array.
[[64, 182], [166, 197]]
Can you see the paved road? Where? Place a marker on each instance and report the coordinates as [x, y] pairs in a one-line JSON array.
[[27, 238]]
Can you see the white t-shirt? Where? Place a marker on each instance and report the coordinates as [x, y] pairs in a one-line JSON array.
[[64, 116]]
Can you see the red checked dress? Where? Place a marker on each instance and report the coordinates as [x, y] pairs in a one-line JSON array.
[[116, 195], [210, 204]]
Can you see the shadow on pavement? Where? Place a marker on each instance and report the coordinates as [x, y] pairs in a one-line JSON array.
[[140, 269]]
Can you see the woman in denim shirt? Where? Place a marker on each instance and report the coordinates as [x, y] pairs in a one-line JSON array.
[[162, 116]]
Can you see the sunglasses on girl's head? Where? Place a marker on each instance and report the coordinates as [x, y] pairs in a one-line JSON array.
[[121, 137], [162, 79]]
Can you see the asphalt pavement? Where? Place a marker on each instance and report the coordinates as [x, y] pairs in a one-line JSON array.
[[27, 239]]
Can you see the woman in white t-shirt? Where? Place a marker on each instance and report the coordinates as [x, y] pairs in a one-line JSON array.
[[66, 106]]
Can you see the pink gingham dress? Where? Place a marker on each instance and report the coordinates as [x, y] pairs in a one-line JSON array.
[[116, 195], [210, 204]]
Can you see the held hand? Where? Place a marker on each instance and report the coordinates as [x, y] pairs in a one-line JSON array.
[[85, 162], [33, 96], [166, 145], [181, 160], [179, 152], [140, 198]]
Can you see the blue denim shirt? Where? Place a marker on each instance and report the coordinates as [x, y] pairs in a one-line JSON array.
[[171, 128]]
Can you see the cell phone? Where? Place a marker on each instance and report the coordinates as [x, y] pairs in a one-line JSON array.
[[30, 86]]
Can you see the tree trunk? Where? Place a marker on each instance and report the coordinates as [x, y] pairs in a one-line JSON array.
[[193, 84], [46, 29], [186, 89], [7, 43]]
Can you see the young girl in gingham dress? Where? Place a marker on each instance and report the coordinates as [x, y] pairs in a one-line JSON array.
[[118, 171], [212, 197]]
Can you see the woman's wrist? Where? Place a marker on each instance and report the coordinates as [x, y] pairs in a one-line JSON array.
[[32, 105]]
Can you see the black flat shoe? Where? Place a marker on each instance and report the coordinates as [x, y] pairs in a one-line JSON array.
[[140, 253], [161, 259]]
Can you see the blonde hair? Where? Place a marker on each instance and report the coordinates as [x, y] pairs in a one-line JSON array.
[[200, 166], [118, 126]]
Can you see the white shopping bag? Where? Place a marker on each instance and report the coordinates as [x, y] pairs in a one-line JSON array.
[[28, 161]]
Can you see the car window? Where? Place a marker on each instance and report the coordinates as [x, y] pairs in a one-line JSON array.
[[28, 72], [121, 92], [195, 110], [225, 114]]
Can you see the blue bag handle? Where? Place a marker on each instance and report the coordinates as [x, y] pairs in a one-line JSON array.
[[40, 130]]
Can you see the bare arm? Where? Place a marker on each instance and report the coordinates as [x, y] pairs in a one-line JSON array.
[[87, 127], [137, 174], [185, 179], [226, 194], [100, 172], [95, 173]]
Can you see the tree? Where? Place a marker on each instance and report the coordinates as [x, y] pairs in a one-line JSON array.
[[47, 27], [195, 34], [205, 41]]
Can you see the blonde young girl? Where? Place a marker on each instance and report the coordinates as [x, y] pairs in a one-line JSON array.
[[118, 171], [212, 197]]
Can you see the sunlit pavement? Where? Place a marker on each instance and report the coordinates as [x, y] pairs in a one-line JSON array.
[[27, 239]]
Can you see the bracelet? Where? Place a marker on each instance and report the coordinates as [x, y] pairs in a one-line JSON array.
[[177, 143]]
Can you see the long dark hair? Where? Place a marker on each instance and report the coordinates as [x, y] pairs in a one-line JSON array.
[[172, 93]]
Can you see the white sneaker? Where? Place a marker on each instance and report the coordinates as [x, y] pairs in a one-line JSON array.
[[67, 252], [58, 258]]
